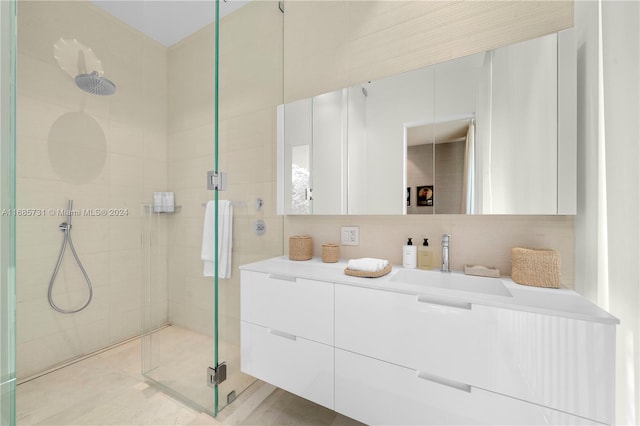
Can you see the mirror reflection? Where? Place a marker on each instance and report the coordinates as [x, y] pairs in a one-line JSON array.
[[442, 153], [475, 135]]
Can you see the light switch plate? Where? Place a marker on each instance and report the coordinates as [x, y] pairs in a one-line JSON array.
[[350, 235]]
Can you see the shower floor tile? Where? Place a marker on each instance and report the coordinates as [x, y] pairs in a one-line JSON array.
[[108, 389], [104, 389]]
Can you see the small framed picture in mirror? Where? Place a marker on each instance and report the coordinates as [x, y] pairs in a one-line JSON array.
[[424, 195]]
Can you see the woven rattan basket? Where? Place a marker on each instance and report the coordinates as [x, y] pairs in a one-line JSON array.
[[330, 253], [300, 247], [535, 267], [366, 274]]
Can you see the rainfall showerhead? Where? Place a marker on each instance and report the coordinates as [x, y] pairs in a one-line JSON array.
[[95, 84]]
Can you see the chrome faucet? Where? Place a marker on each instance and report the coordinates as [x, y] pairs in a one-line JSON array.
[[445, 253]]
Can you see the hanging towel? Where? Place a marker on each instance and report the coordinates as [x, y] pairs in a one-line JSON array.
[[225, 222]]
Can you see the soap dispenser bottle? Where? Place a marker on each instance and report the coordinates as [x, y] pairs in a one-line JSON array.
[[409, 255], [425, 255]]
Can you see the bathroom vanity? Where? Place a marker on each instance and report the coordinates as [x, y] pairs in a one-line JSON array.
[[425, 347]]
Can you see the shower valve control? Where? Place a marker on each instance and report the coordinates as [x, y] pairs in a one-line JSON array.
[[260, 227]]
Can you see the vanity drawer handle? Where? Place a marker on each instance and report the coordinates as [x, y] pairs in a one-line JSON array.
[[282, 334], [282, 277], [442, 381], [444, 302]]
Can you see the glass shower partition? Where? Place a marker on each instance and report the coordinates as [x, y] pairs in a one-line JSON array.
[[225, 81], [7, 204], [250, 75], [179, 300]]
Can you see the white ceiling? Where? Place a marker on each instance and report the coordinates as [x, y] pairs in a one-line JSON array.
[[168, 21]]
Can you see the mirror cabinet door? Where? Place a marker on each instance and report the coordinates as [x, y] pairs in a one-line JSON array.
[[456, 105], [329, 142], [378, 162], [474, 135], [521, 152], [295, 158]]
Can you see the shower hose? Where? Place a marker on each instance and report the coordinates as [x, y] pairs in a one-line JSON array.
[[66, 228]]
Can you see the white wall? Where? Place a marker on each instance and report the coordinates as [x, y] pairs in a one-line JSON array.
[[607, 229]]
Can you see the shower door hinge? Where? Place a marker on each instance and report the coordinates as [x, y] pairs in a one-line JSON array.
[[216, 181], [216, 375]]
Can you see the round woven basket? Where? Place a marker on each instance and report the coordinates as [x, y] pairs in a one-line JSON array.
[[300, 247], [330, 253]]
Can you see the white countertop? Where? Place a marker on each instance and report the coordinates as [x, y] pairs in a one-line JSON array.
[[557, 302]]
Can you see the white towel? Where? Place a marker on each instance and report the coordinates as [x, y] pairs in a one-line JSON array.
[[225, 224], [367, 264]]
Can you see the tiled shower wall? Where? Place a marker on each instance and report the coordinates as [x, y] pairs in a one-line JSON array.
[[118, 160], [250, 89]]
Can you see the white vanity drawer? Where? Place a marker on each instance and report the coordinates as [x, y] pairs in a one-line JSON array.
[[552, 361], [292, 305], [376, 392], [292, 363]]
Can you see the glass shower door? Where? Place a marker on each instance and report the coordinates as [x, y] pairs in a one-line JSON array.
[[249, 83], [224, 83], [179, 302], [7, 220]]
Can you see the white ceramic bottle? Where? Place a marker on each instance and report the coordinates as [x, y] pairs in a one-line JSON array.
[[409, 255]]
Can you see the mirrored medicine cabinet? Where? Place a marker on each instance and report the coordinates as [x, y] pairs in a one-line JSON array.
[[490, 133]]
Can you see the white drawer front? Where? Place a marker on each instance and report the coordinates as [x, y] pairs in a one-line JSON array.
[[552, 361], [375, 392], [292, 363], [293, 305]]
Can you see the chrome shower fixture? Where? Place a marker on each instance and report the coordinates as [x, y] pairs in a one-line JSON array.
[[65, 227], [95, 84]]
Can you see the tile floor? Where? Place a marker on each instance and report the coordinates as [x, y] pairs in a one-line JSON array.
[[284, 408], [177, 358], [108, 389]]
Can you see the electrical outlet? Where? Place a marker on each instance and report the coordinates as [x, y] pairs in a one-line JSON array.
[[350, 235]]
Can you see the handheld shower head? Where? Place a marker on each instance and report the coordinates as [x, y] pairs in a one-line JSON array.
[[95, 84]]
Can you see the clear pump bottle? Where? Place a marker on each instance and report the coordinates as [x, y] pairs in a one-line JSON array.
[[425, 256]]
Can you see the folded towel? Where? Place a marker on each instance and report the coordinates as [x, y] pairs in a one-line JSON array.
[[367, 264], [225, 222]]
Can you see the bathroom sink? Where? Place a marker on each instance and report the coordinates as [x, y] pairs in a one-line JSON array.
[[452, 281]]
